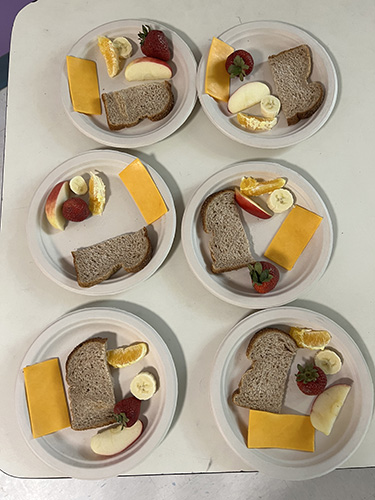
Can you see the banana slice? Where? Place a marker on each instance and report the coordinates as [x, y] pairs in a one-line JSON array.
[[123, 47], [78, 185], [143, 385], [270, 106], [280, 200], [328, 361], [96, 194]]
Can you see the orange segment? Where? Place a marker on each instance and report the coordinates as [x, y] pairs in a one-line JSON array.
[[110, 55], [251, 187], [125, 356], [310, 339]]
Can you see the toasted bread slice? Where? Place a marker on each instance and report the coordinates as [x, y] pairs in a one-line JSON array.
[[229, 245], [290, 70], [262, 387], [127, 107]]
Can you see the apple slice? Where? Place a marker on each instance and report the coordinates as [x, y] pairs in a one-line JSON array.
[[251, 206], [53, 207], [327, 406], [113, 440], [246, 96], [147, 68]]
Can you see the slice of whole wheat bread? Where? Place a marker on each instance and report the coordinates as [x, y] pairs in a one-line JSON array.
[[90, 387], [127, 107], [290, 71], [95, 263], [229, 245], [262, 387]]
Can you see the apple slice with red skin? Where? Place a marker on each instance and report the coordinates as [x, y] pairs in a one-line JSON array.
[[251, 206], [53, 207], [147, 68], [327, 406], [116, 439]]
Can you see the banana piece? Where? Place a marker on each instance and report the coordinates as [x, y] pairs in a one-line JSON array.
[[270, 106], [96, 194], [280, 200], [328, 361], [78, 185], [123, 47], [143, 385]]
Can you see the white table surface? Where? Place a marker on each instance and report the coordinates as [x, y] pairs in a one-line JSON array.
[[337, 161]]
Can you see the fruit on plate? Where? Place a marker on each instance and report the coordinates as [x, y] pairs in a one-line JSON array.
[[75, 210], [264, 276], [280, 200], [252, 187], [123, 47], [115, 439], [110, 55], [78, 185], [154, 43], [270, 106], [96, 194], [246, 96], [251, 206], [125, 356], [239, 64], [310, 339], [147, 68], [329, 361], [311, 379], [53, 207], [143, 385], [327, 406], [255, 123], [127, 411]]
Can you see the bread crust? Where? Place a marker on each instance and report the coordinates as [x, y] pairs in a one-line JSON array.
[[317, 86]]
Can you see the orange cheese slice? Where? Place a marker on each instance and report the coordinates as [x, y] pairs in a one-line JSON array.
[[143, 191], [46, 399], [217, 79], [292, 237], [83, 85], [273, 430]]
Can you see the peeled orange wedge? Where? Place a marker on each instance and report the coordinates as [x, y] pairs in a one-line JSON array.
[[310, 339], [110, 55], [125, 356], [251, 187]]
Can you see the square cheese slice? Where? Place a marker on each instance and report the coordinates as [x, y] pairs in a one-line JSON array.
[[46, 399], [83, 85], [292, 237], [217, 80], [274, 430], [143, 191]]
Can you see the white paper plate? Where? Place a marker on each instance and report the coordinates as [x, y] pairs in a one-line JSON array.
[[146, 132], [262, 39], [351, 425], [235, 287], [51, 248], [69, 451]]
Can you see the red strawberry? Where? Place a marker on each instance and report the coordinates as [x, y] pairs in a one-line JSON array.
[[75, 209], [239, 64], [264, 276], [311, 380], [154, 43], [127, 411]]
